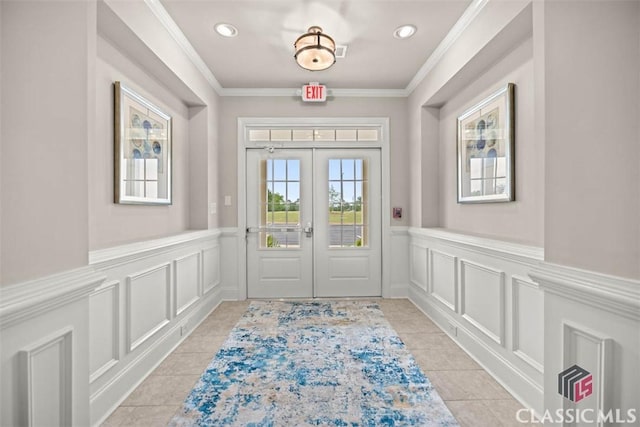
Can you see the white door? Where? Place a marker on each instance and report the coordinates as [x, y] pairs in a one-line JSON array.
[[348, 235], [279, 201], [314, 223]]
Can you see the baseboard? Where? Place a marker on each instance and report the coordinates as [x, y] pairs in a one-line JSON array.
[[399, 290], [107, 399], [479, 292], [522, 388], [155, 294]]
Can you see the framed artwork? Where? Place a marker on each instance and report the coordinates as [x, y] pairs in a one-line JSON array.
[[142, 150], [486, 149]]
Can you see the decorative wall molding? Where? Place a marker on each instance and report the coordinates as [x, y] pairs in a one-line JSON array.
[[107, 397], [47, 366], [617, 295], [591, 320], [533, 312], [472, 306], [145, 315], [468, 297], [22, 301], [161, 298], [118, 255], [419, 266], [443, 279], [504, 370], [509, 251], [458, 28], [110, 340], [600, 368], [187, 281], [210, 268], [399, 265], [456, 31], [170, 25]]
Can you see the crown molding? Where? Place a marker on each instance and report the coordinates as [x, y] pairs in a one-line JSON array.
[[170, 25], [296, 92], [456, 31]]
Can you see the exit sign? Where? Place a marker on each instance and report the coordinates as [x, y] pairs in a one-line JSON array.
[[314, 92]]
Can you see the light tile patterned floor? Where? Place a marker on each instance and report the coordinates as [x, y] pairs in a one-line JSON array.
[[472, 395]]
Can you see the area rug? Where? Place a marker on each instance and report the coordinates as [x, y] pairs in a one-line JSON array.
[[303, 363]]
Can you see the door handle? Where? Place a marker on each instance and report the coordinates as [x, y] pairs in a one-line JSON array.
[[273, 229], [308, 230]]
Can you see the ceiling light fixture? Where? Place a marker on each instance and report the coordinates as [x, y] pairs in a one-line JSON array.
[[315, 51], [404, 31], [226, 30]]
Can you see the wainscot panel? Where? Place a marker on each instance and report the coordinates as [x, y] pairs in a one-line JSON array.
[[527, 339], [148, 304], [398, 264], [45, 349], [169, 286], [443, 279], [591, 320], [232, 254], [467, 295], [104, 315], [482, 299], [46, 373], [210, 268], [187, 281], [419, 266]]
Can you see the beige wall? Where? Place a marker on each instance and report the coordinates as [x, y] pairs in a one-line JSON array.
[[576, 108], [234, 107], [592, 64], [56, 165], [578, 133], [495, 49], [111, 224], [47, 52], [521, 220]]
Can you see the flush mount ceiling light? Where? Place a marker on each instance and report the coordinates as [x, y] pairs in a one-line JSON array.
[[315, 51], [226, 30], [404, 31]]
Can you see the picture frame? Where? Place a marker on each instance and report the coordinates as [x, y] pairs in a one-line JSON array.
[[485, 149], [142, 150]]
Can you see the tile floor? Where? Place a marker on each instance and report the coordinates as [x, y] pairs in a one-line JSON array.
[[472, 395]]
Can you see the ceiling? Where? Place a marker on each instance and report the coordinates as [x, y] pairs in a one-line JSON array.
[[261, 55]]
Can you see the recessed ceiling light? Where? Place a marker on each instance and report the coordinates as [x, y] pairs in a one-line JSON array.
[[404, 31], [226, 30]]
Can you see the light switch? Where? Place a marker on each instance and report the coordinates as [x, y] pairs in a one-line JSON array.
[[213, 207], [227, 200]]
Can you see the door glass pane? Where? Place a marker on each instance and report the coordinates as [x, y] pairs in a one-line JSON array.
[[348, 203], [280, 203]]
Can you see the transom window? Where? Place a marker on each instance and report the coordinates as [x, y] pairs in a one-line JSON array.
[[323, 134]]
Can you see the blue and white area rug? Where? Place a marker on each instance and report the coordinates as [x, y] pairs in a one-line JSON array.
[[313, 363]]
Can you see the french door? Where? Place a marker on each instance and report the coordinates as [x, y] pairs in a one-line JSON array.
[[314, 223]]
